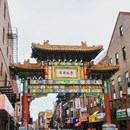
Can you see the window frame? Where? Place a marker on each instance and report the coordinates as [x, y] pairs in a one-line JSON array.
[[3, 38], [1, 70], [124, 53], [119, 83], [110, 60], [117, 58], [121, 28], [7, 51], [5, 8], [113, 86], [127, 79]]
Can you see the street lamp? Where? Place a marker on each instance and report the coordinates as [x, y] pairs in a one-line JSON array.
[[124, 95]]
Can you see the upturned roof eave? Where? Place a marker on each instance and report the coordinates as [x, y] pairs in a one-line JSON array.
[[99, 48], [103, 69], [28, 66], [25, 68], [48, 47]]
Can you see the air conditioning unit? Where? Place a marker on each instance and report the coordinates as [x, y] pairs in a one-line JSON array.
[[97, 101], [128, 90], [67, 112], [120, 93], [91, 105], [114, 95]]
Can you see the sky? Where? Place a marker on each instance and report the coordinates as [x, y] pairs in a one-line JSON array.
[[66, 22]]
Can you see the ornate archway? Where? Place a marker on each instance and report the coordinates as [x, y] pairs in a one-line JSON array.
[[63, 69]]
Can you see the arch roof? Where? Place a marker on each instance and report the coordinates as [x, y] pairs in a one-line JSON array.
[[103, 67], [83, 47], [28, 66]]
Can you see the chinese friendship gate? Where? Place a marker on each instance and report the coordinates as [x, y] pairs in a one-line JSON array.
[[63, 69]]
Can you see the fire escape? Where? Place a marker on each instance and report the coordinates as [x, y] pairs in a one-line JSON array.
[[6, 86], [13, 38]]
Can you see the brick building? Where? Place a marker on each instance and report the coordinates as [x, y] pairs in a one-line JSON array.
[[8, 89], [118, 54]]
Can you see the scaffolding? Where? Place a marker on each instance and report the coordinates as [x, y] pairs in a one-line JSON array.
[[13, 36]]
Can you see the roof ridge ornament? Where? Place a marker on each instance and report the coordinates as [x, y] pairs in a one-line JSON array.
[[46, 43], [83, 44], [26, 62]]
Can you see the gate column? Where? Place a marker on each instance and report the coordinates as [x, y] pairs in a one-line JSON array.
[[107, 102], [25, 104]]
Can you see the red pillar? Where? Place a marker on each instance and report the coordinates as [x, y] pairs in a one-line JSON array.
[[107, 103], [25, 104], [86, 71], [25, 109], [46, 70]]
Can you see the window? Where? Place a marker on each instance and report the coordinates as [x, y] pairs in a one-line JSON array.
[[113, 86], [3, 35], [7, 52], [121, 30], [117, 58], [1, 69], [10, 59], [119, 83], [110, 60], [124, 53], [5, 11], [127, 79], [8, 27], [5, 83]]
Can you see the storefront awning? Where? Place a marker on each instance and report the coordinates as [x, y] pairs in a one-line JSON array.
[[83, 118], [78, 124], [6, 105], [68, 121], [74, 120], [96, 117]]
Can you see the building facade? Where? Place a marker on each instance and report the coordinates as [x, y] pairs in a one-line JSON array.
[[118, 54], [5, 43], [8, 88], [44, 119]]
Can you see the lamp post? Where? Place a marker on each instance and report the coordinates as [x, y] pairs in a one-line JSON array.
[[124, 95]]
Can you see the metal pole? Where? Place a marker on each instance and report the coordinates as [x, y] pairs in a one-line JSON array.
[[70, 113]]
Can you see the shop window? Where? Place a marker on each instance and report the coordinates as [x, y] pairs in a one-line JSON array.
[[119, 83], [121, 29], [110, 60], [124, 53], [113, 86], [117, 58], [1, 71], [127, 79]]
